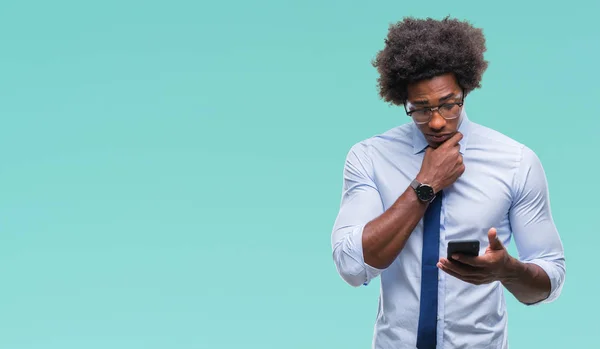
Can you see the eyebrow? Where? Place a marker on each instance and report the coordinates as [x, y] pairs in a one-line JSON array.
[[425, 101]]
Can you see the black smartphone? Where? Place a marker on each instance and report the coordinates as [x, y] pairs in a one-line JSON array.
[[467, 247]]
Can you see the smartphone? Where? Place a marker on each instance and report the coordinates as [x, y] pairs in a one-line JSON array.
[[467, 247]]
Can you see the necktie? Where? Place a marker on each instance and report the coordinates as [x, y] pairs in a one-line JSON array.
[[427, 333]]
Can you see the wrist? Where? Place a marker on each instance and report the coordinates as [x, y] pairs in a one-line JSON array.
[[511, 271]]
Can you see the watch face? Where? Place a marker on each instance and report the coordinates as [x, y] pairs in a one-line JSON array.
[[425, 192]]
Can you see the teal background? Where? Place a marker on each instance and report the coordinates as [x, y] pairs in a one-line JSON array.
[[171, 170]]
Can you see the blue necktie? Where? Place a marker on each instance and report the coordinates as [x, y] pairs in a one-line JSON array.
[[427, 333]]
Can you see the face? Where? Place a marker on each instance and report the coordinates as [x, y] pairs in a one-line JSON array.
[[432, 93]]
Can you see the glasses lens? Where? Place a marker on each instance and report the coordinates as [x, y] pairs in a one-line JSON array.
[[450, 111], [421, 116]]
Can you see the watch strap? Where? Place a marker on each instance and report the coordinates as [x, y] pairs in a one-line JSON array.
[[415, 184]]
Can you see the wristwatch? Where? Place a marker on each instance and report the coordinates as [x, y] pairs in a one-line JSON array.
[[424, 192]]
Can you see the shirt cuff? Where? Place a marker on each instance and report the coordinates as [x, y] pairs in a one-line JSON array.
[[357, 251], [555, 276]]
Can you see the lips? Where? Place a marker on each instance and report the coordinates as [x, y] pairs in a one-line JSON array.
[[439, 138]]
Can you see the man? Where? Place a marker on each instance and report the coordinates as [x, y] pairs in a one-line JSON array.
[[411, 190]]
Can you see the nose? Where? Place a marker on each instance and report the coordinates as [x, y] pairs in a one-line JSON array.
[[437, 122]]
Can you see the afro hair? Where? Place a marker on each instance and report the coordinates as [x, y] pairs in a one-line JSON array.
[[418, 49]]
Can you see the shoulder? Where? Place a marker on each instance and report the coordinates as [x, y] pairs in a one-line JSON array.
[[495, 145], [396, 138], [365, 154], [522, 163], [483, 136]]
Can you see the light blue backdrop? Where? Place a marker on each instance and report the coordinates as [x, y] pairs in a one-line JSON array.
[[171, 170]]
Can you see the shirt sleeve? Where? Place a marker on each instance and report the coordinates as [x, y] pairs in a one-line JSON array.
[[535, 234], [360, 203]]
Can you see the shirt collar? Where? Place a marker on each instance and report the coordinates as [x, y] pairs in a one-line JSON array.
[[420, 143]]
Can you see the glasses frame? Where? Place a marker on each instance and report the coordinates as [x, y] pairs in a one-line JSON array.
[[436, 108]]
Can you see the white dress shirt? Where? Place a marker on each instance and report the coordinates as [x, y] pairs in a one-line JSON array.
[[504, 186]]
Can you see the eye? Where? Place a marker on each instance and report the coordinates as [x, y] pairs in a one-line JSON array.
[[448, 106]]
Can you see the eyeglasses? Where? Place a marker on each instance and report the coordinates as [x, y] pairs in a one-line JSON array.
[[448, 111]]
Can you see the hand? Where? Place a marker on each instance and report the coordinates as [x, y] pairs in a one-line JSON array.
[[492, 266], [442, 166]]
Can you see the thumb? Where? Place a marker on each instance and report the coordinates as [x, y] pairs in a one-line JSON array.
[[495, 243]]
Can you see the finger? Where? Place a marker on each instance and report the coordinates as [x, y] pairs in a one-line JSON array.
[[452, 141], [495, 243], [468, 279], [478, 262], [462, 269]]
